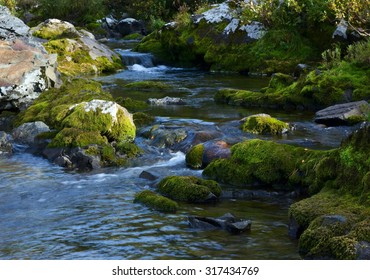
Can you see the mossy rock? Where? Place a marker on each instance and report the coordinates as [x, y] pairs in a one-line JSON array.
[[55, 29], [264, 163], [338, 238], [75, 137], [194, 157], [344, 173], [74, 58], [264, 124], [131, 104], [156, 201], [128, 149], [53, 105], [109, 118], [189, 189]]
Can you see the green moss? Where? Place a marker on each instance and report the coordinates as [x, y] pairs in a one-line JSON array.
[[131, 104], [335, 240], [53, 105], [74, 137], [263, 162], [264, 124], [48, 33], [148, 85], [188, 188], [344, 173], [156, 201], [128, 149], [194, 158], [142, 119], [121, 129], [74, 58], [133, 36]]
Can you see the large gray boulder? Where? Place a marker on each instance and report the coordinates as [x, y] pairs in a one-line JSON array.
[[27, 133], [26, 68], [342, 114]]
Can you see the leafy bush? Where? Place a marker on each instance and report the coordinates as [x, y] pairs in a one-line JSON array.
[[78, 12]]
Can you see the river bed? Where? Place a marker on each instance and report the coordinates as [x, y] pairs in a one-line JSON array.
[[49, 213]]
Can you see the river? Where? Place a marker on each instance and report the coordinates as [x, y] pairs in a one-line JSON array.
[[49, 213]]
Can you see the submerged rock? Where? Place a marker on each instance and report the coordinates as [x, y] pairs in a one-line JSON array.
[[226, 222], [156, 201], [343, 114], [26, 68]]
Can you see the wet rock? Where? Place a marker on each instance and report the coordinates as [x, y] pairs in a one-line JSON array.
[[148, 175], [341, 30], [203, 154], [166, 136], [72, 158], [27, 132], [26, 68], [6, 145], [166, 101], [226, 222], [342, 114], [156, 201]]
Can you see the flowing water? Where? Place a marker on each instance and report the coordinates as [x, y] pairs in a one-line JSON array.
[[49, 213]]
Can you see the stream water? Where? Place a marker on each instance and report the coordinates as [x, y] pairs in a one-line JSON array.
[[49, 213]]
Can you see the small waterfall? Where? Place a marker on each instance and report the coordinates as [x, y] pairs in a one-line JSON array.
[[130, 58]]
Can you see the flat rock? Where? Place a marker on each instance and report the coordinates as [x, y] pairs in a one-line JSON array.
[[341, 114], [226, 222]]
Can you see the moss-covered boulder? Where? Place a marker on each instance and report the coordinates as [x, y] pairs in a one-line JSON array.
[[55, 29], [264, 163], [107, 117], [332, 226], [87, 125], [156, 201], [264, 124], [78, 51], [345, 178], [189, 189]]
